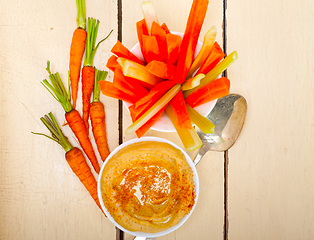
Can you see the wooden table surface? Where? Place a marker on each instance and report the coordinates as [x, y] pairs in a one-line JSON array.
[[262, 188]]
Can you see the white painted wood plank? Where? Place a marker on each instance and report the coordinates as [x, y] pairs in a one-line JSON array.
[[271, 167], [40, 196]]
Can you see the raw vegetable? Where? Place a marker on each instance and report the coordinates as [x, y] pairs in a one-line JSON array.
[[173, 46], [205, 125], [121, 51], [215, 56], [206, 48], [161, 69], [142, 30], [88, 72], [214, 73], [98, 118], [149, 14], [212, 90], [154, 109], [73, 156], [77, 49], [112, 63], [189, 137], [160, 34], [190, 39], [150, 49], [72, 116], [192, 82], [180, 111]]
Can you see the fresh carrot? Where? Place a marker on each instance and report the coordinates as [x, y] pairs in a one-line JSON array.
[[212, 90], [112, 63], [190, 38], [72, 116], [150, 49], [88, 72], [141, 30], [215, 56], [77, 49], [121, 51], [159, 33], [173, 46], [180, 111], [73, 156], [165, 28], [161, 69], [98, 118]]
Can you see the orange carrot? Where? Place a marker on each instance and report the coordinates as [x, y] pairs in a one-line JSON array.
[[76, 123], [161, 69], [88, 72], [112, 63], [109, 90], [165, 28], [173, 46], [121, 51], [142, 30], [77, 49], [213, 90], [160, 36], [215, 56], [73, 156], [98, 118], [180, 111], [150, 49], [190, 38]]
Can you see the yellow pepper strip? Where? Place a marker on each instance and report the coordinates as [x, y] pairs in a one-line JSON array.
[[154, 109]]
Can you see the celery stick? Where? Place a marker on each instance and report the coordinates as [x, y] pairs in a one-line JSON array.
[[214, 73], [200, 121], [154, 109], [192, 82], [138, 71], [189, 137], [149, 14]]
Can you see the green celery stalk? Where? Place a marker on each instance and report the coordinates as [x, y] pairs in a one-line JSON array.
[[214, 73], [154, 109], [204, 124], [189, 137]]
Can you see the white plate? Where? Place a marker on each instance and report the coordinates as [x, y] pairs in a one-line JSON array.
[[164, 124]]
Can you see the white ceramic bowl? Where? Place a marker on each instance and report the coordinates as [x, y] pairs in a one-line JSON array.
[[164, 124], [144, 234]]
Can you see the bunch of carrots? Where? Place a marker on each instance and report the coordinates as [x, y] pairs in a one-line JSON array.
[[168, 78], [83, 44]]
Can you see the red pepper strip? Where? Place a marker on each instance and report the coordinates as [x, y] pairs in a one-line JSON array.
[[173, 44], [215, 56], [180, 111], [146, 102], [165, 27], [213, 90], [150, 49], [161, 69], [190, 38], [160, 36], [112, 63], [109, 90], [142, 30], [128, 85], [121, 51]]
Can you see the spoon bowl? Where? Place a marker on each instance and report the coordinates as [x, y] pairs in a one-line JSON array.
[[228, 116]]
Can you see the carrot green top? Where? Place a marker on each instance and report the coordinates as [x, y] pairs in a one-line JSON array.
[[80, 19], [99, 75], [57, 89], [56, 134], [90, 48]]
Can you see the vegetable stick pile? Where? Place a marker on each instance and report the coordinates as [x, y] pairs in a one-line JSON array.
[[83, 41], [169, 79]]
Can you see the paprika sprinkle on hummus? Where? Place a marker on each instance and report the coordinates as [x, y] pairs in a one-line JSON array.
[[148, 186]]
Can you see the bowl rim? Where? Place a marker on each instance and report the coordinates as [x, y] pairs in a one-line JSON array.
[[144, 234]]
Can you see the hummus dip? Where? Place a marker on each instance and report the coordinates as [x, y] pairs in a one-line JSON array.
[[148, 186]]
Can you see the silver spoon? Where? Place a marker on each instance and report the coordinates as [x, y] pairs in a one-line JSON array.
[[228, 116]]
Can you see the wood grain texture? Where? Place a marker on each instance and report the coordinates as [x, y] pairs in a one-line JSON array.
[[271, 167], [40, 197], [208, 218]]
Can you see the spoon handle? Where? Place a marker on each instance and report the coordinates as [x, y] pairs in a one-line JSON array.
[[198, 158]]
